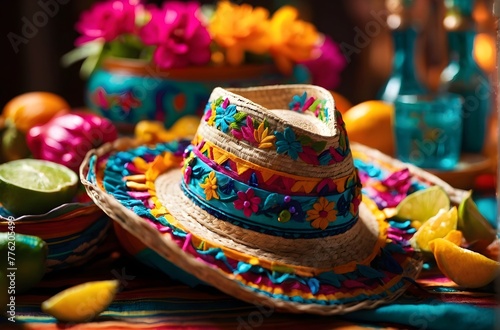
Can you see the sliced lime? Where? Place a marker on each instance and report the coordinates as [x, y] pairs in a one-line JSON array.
[[33, 186], [423, 204], [475, 227]]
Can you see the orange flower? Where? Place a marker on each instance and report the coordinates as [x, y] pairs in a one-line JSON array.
[[263, 138], [292, 40], [240, 28], [210, 186], [322, 213]]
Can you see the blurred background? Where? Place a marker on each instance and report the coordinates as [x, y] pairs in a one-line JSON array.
[[32, 61]]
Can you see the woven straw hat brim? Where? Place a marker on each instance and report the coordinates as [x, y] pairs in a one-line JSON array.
[[168, 249], [169, 246], [355, 246]]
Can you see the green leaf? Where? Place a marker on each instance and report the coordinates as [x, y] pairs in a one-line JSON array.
[[235, 125], [89, 65], [342, 141], [266, 123], [319, 146], [305, 140], [271, 201], [219, 101], [92, 48], [313, 106], [240, 116]]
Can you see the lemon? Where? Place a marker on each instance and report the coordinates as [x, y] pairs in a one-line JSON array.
[[436, 227], [28, 255], [476, 229], [423, 204], [467, 268], [82, 302], [33, 186]]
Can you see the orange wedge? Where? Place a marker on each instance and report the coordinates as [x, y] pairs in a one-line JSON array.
[[466, 268]]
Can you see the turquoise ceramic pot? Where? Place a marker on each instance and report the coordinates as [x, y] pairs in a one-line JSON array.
[[128, 91]]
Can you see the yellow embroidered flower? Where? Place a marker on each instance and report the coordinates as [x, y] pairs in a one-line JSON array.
[[322, 213], [263, 138], [240, 28], [210, 186], [292, 40]]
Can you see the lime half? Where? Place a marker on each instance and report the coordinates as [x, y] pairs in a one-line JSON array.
[[475, 227], [33, 186], [423, 204]]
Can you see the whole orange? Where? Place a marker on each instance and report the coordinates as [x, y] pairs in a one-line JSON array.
[[32, 109], [370, 123], [341, 102]]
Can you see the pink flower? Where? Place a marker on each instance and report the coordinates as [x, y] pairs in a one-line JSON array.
[[106, 20], [246, 132], [326, 67], [248, 202], [179, 35]]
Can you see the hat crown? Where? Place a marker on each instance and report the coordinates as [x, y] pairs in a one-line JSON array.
[[275, 160]]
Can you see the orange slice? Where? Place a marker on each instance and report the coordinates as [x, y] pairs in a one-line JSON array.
[[466, 268]]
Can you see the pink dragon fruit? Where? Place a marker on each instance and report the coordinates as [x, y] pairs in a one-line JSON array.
[[65, 139]]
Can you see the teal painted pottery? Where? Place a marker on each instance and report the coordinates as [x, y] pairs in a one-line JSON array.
[[127, 91]]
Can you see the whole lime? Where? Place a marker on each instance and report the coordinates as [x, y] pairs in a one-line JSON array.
[[22, 262]]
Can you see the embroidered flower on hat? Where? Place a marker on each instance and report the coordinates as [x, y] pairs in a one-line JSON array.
[[263, 138], [210, 186], [322, 213], [246, 131], [224, 116], [287, 143], [247, 201]]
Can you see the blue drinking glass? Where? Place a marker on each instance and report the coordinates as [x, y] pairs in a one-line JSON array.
[[428, 130]]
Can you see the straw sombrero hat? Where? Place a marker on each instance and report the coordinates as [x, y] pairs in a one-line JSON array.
[[266, 206]]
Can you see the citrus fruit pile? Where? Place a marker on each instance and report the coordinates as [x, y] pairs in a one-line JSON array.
[[456, 238], [41, 125]]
